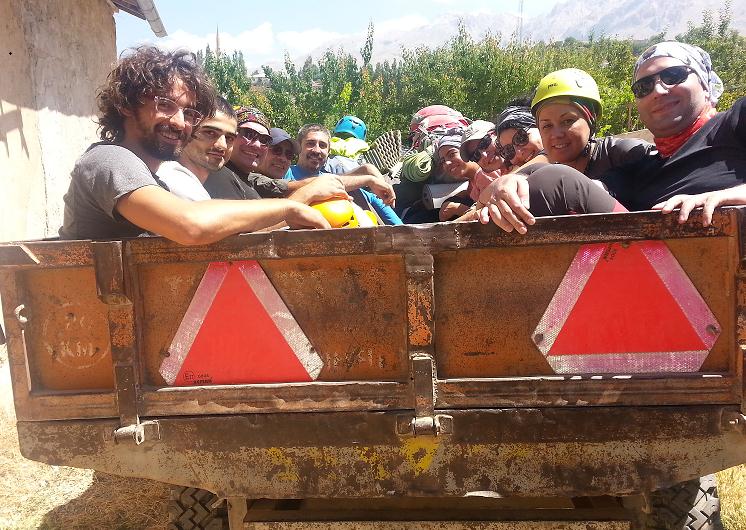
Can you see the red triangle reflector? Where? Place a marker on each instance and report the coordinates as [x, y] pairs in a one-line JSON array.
[[238, 330], [626, 308]]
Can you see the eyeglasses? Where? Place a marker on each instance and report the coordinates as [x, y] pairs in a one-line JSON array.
[[671, 76], [250, 135], [277, 150], [483, 144], [168, 107], [507, 152], [208, 134]]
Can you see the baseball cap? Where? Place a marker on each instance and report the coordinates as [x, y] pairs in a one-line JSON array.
[[280, 135], [476, 131]]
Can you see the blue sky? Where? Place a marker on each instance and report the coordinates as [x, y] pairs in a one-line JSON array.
[[265, 30]]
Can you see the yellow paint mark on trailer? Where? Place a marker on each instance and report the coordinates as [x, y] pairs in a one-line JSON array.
[[371, 457], [288, 473], [419, 452]]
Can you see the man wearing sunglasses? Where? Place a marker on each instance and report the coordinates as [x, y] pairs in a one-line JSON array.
[[251, 147], [280, 155], [700, 161], [149, 108]]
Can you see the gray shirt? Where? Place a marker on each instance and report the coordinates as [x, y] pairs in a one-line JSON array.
[[101, 176]]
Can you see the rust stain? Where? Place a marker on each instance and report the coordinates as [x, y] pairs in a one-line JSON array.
[[419, 313], [67, 333], [374, 460]]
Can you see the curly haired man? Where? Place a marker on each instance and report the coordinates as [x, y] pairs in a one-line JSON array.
[[149, 107]]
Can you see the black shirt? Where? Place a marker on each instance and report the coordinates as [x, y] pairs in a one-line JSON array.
[[224, 184], [714, 158], [266, 187]]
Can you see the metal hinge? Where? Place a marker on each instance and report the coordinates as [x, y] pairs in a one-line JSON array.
[[139, 432], [424, 425], [425, 422]]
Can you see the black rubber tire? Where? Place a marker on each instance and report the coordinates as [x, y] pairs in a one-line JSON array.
[[191, 509], [691, 505]]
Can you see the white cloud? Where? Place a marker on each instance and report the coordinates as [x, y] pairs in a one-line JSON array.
[[296, 42], [399, 25], [254, 42]]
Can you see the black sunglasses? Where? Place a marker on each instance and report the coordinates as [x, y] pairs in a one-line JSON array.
[[507, 152], [250, 135], [673, 75], [277, 150], [483, 144]]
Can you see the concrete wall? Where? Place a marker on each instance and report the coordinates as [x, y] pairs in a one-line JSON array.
[[53, 56]]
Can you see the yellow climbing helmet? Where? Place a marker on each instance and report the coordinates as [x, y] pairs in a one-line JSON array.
[[342, 213], [339, 213], [570, 82]]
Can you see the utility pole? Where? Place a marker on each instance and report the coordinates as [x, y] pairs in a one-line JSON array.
[[520, 21]]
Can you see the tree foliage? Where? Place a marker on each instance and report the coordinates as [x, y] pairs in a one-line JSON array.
[[477, 77]]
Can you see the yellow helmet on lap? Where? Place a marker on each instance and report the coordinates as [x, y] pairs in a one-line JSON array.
[[338, 212], [342, 213]]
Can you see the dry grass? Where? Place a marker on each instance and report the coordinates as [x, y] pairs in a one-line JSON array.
[[36, 495], [732, 490]]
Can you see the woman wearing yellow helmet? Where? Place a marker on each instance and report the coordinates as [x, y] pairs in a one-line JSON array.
[[567, 106]]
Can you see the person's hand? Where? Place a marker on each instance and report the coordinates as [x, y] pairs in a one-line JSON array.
[[707, 201], [450, 210], [322, 188], [299, 215], [505, 201], [383, 190]]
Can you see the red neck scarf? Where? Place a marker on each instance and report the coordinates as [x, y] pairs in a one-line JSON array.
[[669, 145]]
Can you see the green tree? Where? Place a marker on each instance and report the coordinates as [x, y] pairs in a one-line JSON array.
[[477, 77]]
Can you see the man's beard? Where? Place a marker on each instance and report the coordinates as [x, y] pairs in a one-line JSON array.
[[157, 148]]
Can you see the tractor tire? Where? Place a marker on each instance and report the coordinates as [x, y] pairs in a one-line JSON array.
[[691, 505], [191, 509]]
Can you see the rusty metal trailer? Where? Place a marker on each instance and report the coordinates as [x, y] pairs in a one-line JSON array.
[[437, 392]]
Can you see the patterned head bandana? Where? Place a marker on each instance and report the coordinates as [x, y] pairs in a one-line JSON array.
[[515, 118], [250, 114], [451, 138], [692, 56]]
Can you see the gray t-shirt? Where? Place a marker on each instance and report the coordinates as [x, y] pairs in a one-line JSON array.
[[101, 176]]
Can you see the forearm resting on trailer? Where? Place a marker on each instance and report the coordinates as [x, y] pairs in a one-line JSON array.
[[201, 222]]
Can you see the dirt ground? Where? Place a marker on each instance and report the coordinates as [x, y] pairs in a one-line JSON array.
[[36, 495], [46, 497]]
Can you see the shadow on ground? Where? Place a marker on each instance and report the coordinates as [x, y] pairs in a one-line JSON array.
[[114, 503]]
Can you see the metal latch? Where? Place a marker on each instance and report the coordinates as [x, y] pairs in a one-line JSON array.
[[138, 432], [734, 421], [425, 421]]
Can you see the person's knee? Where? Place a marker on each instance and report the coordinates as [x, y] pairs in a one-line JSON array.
[[552, 177], [560, 190]]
